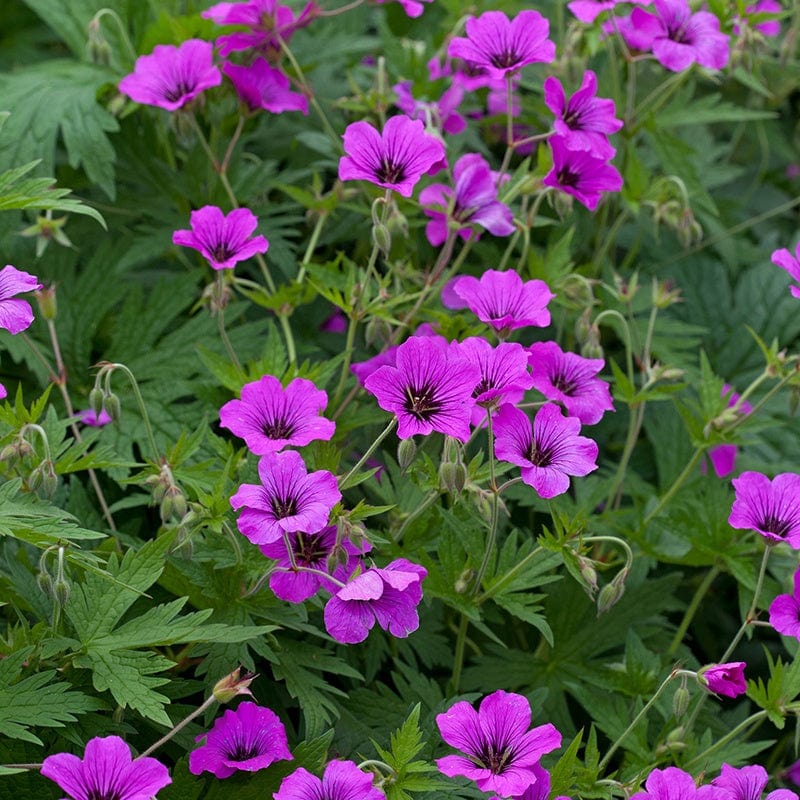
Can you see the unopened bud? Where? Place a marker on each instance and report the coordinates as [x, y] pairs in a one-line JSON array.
[[96, 401], [45, 583], [35, 478], [680, 701], [336, 558], [49, 478], [675, 738], [382, 238], [377, 331], [463, 582], [453, 476], [173, 504], [611, 593], [589, 575], [406, 451], [61, 590], [562, 202], [233, 685], [9, 455], [664, 295], [112, 406], [46, 300]]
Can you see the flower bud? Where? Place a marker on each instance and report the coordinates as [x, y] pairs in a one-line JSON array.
[[611, 593], [35, 478], [406, 451], [173, 504], [61, 590], [336, 558], [46, 300], [96, 401], [588, 574], [680, 701], [464, 581], [45, 583], [377, 331], [233, 685], [112, 406], [453, 476], [382, 238], [49, 478]]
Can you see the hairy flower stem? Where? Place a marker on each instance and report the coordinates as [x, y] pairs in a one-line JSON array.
[[110, 369], [417, 512], [688, 470], [334, 12], [754, 719], [636, 720], [458, 656], [492, 538], [221, 325], [312, 246], [122, 29], [509, 123], [349, 345], [694, 605], [343, 484], [501, 584], [210, 700]]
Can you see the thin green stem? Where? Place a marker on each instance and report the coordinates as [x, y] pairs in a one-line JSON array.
[[509, 124], [761, 403], [757, 718], [458, 655], [291, 352], [39, 430], [226, 160], [179, 727], [348, 357], [334, 12], [509, 576], [142, 408], [221, 325], [611, 312], [312, 245], [372, 448], [432, 497], [694, 605], [688, 470], [121, 27], [492, 538]]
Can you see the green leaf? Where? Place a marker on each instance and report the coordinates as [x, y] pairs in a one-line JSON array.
[[704, 110]]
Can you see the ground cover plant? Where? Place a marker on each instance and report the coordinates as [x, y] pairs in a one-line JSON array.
[[398, 399]]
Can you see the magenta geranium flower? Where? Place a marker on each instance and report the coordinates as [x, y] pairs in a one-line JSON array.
[[581, 174], [310, 550], [222, 239], [88, 417], [388, 357], [668, 784], [725, 679], [771, 508], [589, 10], [249, 739], [261, 86], [269, 417], [16, 315], [502, 46], [388, 596], [395, 159], [441, 114], [288, 499], [473, 201], [784, 611], [170, 77], [429, 389], [571, 380], [585, 120], [767, 27], [3, 392], [502, 300], [677, 37], [413, 8], [267, 20], [785, 260], [342, 780], [744, 783], [501, 752], [723, 456], [106, 771], [548, 452], [504, 374]]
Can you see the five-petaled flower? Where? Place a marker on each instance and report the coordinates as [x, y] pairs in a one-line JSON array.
[[261, 86], [668, 784], [769, 507], [589, 10], [725, 679], [429, 389], [222, 239], [270, 417], [742, 783], [388, 596], [107, 772], [16, 315], [288, 499], [394, 159], [249, 738], [501, 752], [170, 76], [791, 263], [547, 452], [342, 780], [502, 46]]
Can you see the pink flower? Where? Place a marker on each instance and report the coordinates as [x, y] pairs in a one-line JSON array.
[[668, 784], [723, 456], [440, 114], [502, 46], [547, 452], [589, 10], [771, 508], [784, 611], [725, 679], [342, 780], [288, 499], [170, 77], [262, 86], [394, 159], [413, 8], [249, 739], [744, 783], [222, 239], [16, 315], [768, 27], [3, 392], [388, 596], [88, 417], [107, 770], [269, 417], [785, 260], [501, 753]]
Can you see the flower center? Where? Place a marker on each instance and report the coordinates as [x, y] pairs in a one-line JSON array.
[[563, 384], [280, 428], [421, 403], [309, 549], [389, 172], [505, 59], [221, 252], [174, 93], [566, 177], [283, 507], [540, 457], [775, 525], [96, 794], [243, 751], [495, 759]]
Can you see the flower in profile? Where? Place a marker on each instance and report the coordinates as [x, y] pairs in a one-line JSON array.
[[548, 452], [502, 46], [668, 784], [249, 738], [581, 173], [429, 389], [501, 752], [473, 201], [310, 550], [744, 783], [440, 114], [677, 37], [262, 86], [16, 315], [269, 417], [571, 380], [784, 611], [288, 499], [725, 679], [785, 260], [723, 456], [170, 77], [766, 27], [394, 159], [93, 420], [388, 596], [771, 508], [342, 780], [3, 392], [504, 375], [502, 300], [793, 773], [413, 8], [585, 120], [222, 239], [589, 10], [267, 20], [107, 772]]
